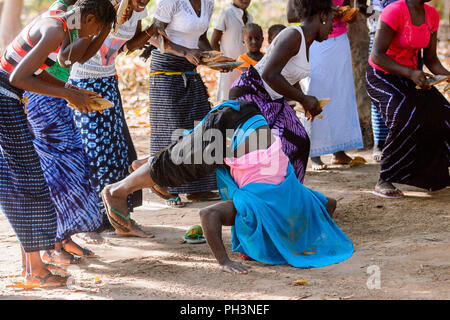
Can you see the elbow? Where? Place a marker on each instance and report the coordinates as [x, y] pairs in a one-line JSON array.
[[375, 57], [268, 76], [207, 215], [15, 81]]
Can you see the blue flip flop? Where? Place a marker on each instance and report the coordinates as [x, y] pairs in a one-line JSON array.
[[181, 205]]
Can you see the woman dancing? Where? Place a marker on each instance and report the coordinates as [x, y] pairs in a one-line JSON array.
[[25, 197], [105, 136], [276, 78], [417, 149]]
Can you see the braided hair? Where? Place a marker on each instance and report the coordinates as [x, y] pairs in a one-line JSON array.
[[309, 8], [103, 10]]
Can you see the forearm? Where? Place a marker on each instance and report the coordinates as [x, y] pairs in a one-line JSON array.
[[212, 230], [170, 46], [204, 45], [139, 40], [436, 67], [50, 87]]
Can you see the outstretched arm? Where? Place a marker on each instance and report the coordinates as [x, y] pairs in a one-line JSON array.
[[213, 218]]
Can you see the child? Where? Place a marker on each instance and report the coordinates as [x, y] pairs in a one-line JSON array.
[[276, 219], [273, 31], [227, 38], [253, 39]]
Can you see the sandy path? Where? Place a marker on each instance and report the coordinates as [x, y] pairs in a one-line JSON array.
[[407, 239]]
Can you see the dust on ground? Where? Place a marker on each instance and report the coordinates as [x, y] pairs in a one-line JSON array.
[[406, 240]]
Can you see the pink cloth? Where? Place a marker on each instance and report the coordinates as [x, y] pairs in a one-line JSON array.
[[339, 27], [263, 166], [408, 39]]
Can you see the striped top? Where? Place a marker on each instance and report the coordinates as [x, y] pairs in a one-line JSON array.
[[22, 45]]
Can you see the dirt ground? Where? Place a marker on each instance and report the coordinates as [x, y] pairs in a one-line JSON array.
[[407, 241]]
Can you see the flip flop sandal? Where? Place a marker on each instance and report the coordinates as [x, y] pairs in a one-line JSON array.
[[181, 205], [43, 281], [55, 272], [111, 220], [398, 196], [192, 240], [86, 252], [73, 260], [194, 235]]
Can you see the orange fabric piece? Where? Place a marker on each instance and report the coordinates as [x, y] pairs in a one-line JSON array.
[[247, 61]]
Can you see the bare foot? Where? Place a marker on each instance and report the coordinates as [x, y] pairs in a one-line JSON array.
[[91, 237], [135, 231], [340, 157], [331, 206], [317, 164], [387, 190], [377, 153], [70, 246], [235, 267]]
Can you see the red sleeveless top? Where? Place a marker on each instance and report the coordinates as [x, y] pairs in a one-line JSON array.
[[22, 44]]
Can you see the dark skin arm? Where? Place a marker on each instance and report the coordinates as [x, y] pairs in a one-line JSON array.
[[203, 43], [287, 47], [383, 39], [141, 37], [212, 219], [192, 55], [47, 39], [431, 59], [215, 39]]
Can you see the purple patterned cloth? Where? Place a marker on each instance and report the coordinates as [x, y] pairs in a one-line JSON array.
[[280, 117]]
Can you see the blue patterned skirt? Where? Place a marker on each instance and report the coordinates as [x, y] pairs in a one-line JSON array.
[[24, 194], [177, 102], [65, 165], [106, 140]]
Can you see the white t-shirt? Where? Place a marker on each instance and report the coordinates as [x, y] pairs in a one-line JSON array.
[[184, 25], [297, 68], [230, 23], [231, 45], [102, 63]]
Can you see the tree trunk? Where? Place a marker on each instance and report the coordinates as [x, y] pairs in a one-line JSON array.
[[10, 24], [359, 42]]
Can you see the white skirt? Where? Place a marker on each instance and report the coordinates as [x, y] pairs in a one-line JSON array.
[[226, 80], [332, 77]]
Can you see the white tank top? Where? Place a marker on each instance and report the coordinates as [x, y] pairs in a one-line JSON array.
[[297, 68]]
